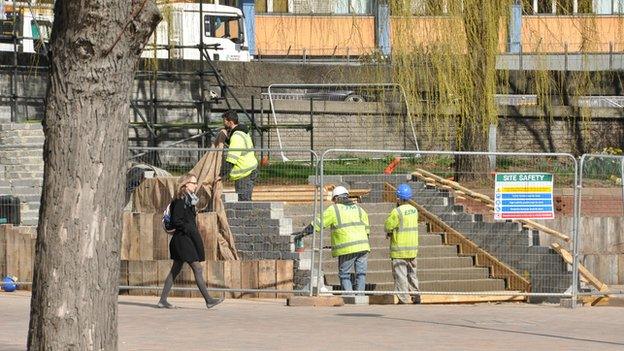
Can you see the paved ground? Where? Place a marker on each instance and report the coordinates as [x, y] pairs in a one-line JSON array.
[[269, 325]]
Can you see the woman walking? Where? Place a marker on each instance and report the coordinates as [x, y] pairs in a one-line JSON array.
[[186, 244]]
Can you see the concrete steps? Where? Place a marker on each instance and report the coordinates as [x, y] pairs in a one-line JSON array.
[[330, 265], [423, 275]]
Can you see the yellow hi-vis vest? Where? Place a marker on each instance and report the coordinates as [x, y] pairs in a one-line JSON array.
[[350, 228], [241, 155], [402, 224]]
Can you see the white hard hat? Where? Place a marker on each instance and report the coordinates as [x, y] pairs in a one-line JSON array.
[[339, 190]]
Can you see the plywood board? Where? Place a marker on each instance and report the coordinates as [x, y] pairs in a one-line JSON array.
[[160, 238], [150, 276], [146, 236], [284, 277], [135, 276], [123, 276], [3, 230], [208, 230], [232, 277], [249, 277], [12, 255], [125, 235], [214, 277], [267, 278]]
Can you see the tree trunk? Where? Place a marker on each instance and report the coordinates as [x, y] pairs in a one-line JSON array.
[[94, 49], [481, 24]]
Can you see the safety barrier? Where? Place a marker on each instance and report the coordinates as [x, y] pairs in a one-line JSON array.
[[464, 250]]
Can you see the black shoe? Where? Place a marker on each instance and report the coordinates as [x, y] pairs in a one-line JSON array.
[[416, 299], [213, 302]]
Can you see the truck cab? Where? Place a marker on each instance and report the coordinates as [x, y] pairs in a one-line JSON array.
[[178, 35], [31, 25]]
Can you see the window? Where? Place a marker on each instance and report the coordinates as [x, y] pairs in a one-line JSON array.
[[224, 27]]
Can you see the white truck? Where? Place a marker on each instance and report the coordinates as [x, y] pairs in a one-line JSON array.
[[30, 24], [176, 37]]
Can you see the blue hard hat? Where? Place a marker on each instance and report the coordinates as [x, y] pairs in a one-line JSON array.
[[8, 283], [404, 192]]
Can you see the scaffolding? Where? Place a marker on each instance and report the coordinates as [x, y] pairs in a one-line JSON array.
[[149, 120]]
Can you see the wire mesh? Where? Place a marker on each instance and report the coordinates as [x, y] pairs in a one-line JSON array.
[[601, 217], [462, 247], [263, 230]]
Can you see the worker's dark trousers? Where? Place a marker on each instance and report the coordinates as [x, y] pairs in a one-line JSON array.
[[244, 186]]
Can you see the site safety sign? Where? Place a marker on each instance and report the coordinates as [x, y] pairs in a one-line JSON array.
[[523, 196]]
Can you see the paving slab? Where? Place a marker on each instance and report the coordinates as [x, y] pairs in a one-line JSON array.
[[271, 325]]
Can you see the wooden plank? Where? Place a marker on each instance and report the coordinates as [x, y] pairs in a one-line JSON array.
[[209, 230], [160, 238], [284, 277], [214, 277], [135, 276], [389, 299], [3, 234], [134, 238], [267, 278], [146, 237], [315, 301], [12, 255], [232, 277], [123, 276], [249, 277], [25, 260], [150, 276], [125, 235], [591, 279]]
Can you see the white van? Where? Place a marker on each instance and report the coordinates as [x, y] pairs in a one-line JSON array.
[[222, 25]]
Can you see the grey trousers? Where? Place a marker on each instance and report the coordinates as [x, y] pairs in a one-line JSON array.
[[244, 186], [404, 272]]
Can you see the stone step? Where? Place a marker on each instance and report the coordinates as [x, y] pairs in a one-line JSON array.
[[330, 265], [382, 252], [380, 241], [25, 175], [379, 277], [446, 285]]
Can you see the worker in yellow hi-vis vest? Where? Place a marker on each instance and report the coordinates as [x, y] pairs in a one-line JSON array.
[[240, 162], [349, 237], [402, 229]]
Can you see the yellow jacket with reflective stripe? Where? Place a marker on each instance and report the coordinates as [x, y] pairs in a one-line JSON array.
[[402, 225], [350, 228], [241, 155]]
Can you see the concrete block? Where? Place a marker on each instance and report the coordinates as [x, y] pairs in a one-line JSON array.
[[356, 300], [230, 197]]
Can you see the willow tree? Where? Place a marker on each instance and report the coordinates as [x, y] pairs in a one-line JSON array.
[[447, 63], [94, 49]]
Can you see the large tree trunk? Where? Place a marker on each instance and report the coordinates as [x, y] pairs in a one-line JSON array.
[[95, 47], [481, 24]]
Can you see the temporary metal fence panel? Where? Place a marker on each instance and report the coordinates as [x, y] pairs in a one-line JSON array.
[[341, 115], [600, 219], [463, 250], [284, 202]]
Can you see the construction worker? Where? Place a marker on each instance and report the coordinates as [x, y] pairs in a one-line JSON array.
[[240, 162], [402, 229], [349, 237]]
